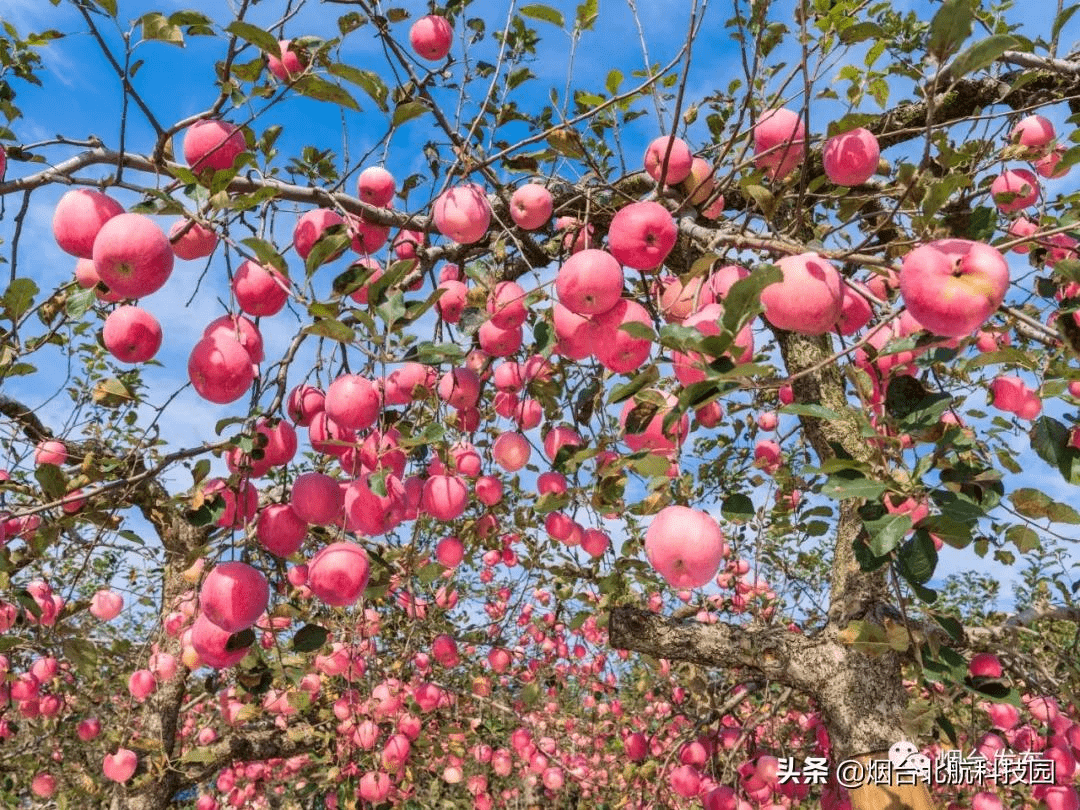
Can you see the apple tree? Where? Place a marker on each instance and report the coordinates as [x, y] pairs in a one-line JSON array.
[[391, 416]]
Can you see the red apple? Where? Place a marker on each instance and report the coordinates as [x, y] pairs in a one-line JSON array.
[[808, 299], [499, 342], [511, 451], [460, 387], [106, 605], [353, 402], [197, 241], [338, 574], [642, 235], [79, 216], [304, 402], [589, 282], [210, 642], [131, 334], [1033, 131], [288, 64], [316, 498], [855, 312], [280, 530], [210, 144], [851, 158], [1014, 189], [506, 303], [445, 497], [685, 546], [375, 186], [132, 255], [220, 369], [431, 37], [120, 767], [679, 159], [952, 286], [531, 206], [312, 225], [462, 213], [452, 302], [616, 349], [652, 436], [700, 182], [260, 289], [240, 329], [450, 552], [234, 595], [779, 141]]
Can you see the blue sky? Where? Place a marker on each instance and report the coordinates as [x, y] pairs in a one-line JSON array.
[[178, 83]]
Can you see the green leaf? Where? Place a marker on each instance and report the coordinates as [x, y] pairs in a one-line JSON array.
[[79, 302], [981, 54], [309, 638], [155, 26], [408, 111], [266, 253], [887, 533], [1023, 538], [949, 28], [82, 652], [860, 32], [623, 392], [641, 331], [367, 80], [1037, 505], [108, 5], [52, 480], [262, 40], [586, 15], [335, 330], [202, 469], [19, 297], [852, 484], [908, 401], [614, 79], [1050, 439], [545, 13], [1061, 19], [737, 508], [329, 246], [314, 87], [950, 625], [918, 558], [743, 300], [815, 411], [240, 641]]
